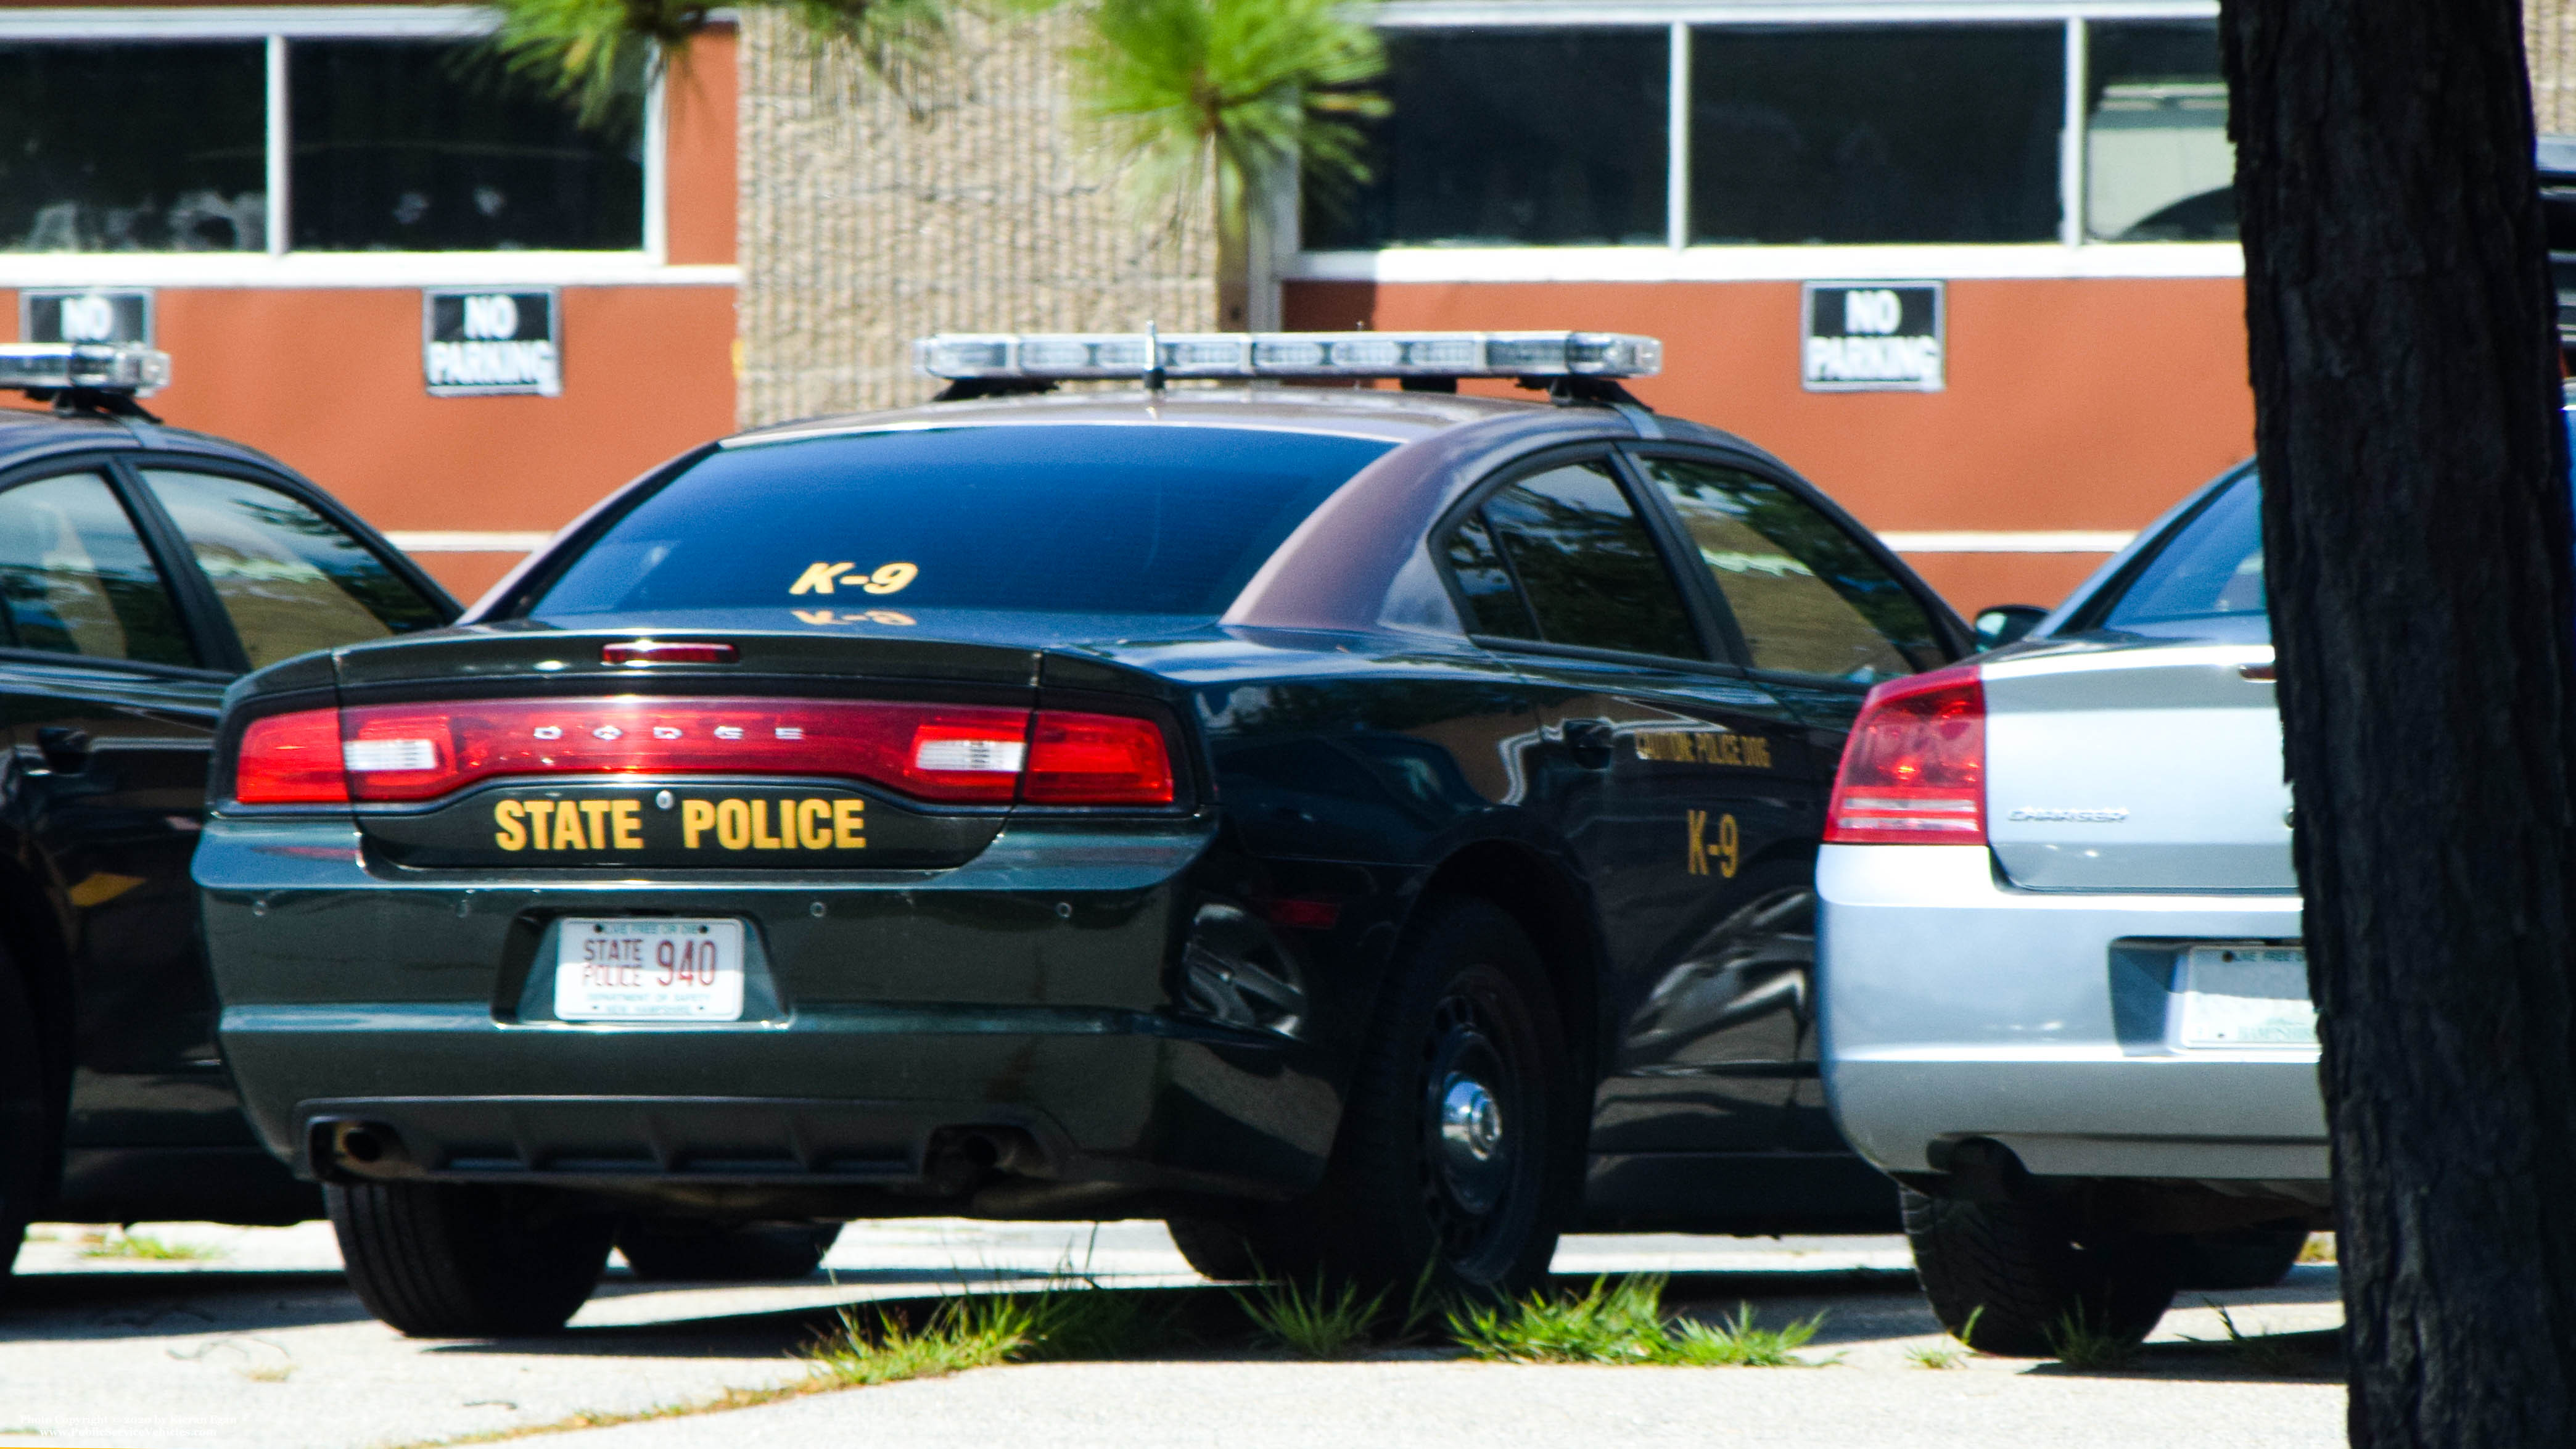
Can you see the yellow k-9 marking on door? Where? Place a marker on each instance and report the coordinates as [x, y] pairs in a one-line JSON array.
[[1727, 851], [735, 825]]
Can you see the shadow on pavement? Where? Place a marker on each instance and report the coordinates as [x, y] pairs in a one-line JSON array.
[[125, 1305], [2313, 1357]]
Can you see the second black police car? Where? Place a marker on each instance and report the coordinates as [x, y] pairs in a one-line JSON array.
[[1367, 829]]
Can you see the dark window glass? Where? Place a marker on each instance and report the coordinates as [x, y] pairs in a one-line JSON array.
[[1493, 600], [2206, 582], [1589, 569], [2157, 162], [1061, 519], [1534, 137], [426, 147], [291, 580], [1806, 596], [77, 580], [1836, 133], [133, 148]]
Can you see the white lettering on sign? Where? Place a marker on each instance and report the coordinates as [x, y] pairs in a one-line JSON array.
[[497, 317], [89, 319], [1874, 359], [485, 364], [1872, 313]]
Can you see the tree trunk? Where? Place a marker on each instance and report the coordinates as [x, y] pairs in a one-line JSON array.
[[1233, 260], [2417, 546]]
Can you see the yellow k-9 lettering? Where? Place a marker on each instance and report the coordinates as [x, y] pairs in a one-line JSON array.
[[733, 824]]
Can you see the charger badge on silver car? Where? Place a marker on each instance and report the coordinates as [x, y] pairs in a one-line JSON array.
[[2082, 817]]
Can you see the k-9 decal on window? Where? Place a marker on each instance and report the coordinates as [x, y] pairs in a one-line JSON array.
[[824, 578]]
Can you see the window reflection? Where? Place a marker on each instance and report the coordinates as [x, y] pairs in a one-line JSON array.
[[2157, 162], [133, 148]]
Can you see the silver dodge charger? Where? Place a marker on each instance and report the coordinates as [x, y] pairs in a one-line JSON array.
[[2063, 998]]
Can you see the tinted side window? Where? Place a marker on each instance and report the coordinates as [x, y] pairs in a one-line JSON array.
[[292, 580], [77, 579], [1806, 597], [1587, 565], [1493, 600]]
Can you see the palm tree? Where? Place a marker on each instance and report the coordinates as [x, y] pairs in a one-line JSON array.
[[1216, 102], [1227, 101]]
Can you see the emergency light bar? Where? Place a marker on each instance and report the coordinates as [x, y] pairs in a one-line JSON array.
[[95, 367], [1070, 355]]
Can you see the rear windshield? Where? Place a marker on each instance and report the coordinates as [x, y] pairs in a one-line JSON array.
[[1107, 519], [2206, 582]]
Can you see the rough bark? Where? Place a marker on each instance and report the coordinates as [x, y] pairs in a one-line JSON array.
[[2417, 542]]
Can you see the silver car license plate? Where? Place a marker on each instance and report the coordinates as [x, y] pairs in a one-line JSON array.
[[2246, 996], [657, 969]]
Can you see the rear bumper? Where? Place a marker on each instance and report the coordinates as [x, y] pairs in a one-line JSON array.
[[1015, 1011], [1955, 1007]]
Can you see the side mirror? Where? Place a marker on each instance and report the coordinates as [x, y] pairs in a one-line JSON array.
[[2004, 623]]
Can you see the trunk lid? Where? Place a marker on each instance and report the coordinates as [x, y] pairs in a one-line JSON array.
[[2154, 768], [593, 764]]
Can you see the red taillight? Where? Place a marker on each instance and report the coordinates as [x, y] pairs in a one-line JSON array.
[[1915, 770], [292, 759], [1097, 759], [963, 754]]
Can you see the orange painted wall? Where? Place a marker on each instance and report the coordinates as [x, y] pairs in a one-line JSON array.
[[2071, 404]]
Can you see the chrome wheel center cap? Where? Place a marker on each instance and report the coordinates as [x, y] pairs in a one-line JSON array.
[[1471, 1123]]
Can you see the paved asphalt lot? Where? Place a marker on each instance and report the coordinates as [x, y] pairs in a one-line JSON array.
[[262, 1346]]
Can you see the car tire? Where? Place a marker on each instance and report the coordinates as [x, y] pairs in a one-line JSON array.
[[27, 1116], [1225, 1249], [2246, 1258], [1454, 1153], [452, 1260], [2021, 1272], [686, 1252]]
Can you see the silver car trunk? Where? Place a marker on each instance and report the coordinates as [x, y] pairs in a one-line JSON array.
[[2150, 767]]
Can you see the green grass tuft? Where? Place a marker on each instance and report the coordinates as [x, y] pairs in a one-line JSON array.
[[1622, 1324], [1317, 1321], [962, 1333], [1737, 1343], [2077, 1342], [1953, 1352], [145, 1247]]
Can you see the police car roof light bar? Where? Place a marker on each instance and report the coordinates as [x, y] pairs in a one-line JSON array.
[[84, 376], [1070, 356]]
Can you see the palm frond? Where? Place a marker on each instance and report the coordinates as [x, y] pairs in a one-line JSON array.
[[1234, 93]]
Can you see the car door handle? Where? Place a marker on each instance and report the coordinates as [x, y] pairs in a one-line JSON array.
[[1589, 741], [66, 750]]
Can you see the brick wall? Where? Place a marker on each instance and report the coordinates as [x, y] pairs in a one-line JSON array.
[[962, 200]]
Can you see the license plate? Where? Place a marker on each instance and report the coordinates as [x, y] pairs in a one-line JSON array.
[[648, 970], [2246, 996]]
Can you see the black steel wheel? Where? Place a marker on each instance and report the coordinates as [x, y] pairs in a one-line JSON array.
[[447, 1260], [28, 1116], [691, 1252], [1456, 1149]]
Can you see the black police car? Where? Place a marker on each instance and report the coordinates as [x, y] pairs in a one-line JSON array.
[[1364, 828], [142, 569]]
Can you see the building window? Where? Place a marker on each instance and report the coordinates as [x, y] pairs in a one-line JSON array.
[[133, 148], [426, 146], [1858, 134], [1516, 137], [1547, 128], [2157, 162], [390, 144]]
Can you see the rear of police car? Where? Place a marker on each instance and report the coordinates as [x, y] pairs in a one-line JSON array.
[[803, 837], [2064, 999]]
